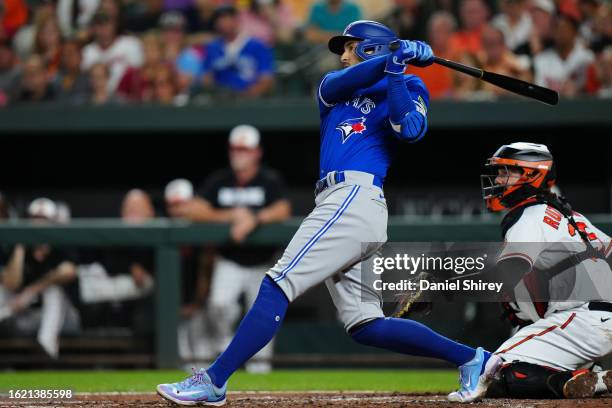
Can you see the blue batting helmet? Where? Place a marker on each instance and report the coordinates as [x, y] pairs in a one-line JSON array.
[[373, 37]]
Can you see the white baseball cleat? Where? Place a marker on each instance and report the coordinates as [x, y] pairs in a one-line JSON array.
[[474, 384]]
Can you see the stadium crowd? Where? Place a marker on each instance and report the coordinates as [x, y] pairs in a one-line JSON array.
[[103, 52]]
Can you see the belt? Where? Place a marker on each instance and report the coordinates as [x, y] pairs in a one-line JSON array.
[[336, 177], [601, 306]]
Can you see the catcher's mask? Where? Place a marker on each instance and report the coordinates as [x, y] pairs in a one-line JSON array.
[[537, 174]]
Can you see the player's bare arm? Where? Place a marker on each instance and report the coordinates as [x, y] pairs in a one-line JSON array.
[[278, 211], [11, 276]]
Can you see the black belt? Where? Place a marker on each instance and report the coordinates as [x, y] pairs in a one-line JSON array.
[[601, 306]]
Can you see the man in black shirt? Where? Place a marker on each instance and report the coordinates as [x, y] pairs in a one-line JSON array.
[[38, 275], [245, 195]]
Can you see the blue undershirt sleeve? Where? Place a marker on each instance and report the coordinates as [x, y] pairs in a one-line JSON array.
[[339, 86], [408, 102]]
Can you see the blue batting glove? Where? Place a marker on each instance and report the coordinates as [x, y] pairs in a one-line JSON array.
[[398, 59], [424, 55]]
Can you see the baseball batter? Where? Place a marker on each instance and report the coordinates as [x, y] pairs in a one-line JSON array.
[[566, 331], [366, 109]]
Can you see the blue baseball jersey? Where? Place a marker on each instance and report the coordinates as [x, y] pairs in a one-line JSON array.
[[357, 134], [238, 69]]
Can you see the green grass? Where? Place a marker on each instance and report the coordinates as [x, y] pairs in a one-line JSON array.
[[279, 380]]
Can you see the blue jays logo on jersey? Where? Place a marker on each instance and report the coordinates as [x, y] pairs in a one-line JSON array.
[[350, 127]]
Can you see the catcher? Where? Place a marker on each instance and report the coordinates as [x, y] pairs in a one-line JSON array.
[[555, 352]]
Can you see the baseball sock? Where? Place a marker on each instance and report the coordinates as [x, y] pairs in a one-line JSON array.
[[255, 331], [411, 337]]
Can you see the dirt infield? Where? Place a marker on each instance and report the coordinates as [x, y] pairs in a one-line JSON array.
[[311, 399]]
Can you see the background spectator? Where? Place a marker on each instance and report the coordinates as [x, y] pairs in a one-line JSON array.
[[14, 14], [119, 52], [137, 84], [270, 21], [564, 66], [189, 65], [236, 62], [114, 284], [74, 16], [48, 44], [35, 85], [99, 77], [439, 79], [328, 18], [194, 335], [9, 73], [599, 75], [165, 88], [589, 10], [410, 18], [172, 25], [72, 84], [186, 61], [25, 38], [474, 15], [34, 276], [601, 29], [514, 22], [468, 87], [113, 9], [137, 207], [144, 16], [246, 194], [542, 15], [200, 20], [498, 58]]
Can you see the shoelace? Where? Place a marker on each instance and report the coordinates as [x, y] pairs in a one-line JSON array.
[[197, 377]]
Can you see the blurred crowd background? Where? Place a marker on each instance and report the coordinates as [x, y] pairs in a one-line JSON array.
[[103, 52]]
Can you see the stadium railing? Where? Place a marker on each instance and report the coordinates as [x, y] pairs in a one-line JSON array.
[[166, 236], [287, 113]]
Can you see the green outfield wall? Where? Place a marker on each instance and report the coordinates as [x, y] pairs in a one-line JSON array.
[[288, 113]]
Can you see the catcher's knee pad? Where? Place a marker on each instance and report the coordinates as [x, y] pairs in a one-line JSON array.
[[526, 380]]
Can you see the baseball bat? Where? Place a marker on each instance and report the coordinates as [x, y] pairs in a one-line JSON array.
[[513, 85]]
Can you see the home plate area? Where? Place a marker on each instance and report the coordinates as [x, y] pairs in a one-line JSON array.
[[303, 399]]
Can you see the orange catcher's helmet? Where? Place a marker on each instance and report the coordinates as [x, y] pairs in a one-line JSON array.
[[537, 169]]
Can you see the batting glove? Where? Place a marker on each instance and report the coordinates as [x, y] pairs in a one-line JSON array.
[[424, 55], [414, 52], [399, 58]]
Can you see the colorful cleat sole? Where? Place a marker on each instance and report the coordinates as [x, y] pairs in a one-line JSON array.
[[169, 397], [485, 379]]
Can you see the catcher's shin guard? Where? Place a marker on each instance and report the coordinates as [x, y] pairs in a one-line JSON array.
[[525, 380]]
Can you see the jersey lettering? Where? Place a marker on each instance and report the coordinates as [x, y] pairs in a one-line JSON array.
[[241, 197], [582, 227], [553, 213], [365, 105], [552, 217]]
